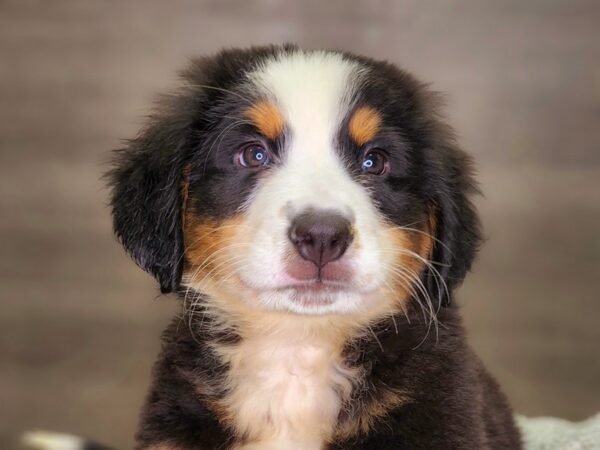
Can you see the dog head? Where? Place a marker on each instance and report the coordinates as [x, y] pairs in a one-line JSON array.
[[313, 182]]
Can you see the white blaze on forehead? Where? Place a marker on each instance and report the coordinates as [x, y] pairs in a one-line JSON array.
[[314, 91]]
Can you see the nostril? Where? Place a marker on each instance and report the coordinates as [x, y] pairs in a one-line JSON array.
[[320, 236]]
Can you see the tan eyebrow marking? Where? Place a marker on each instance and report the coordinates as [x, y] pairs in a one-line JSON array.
[[364, 124], [267, 118]]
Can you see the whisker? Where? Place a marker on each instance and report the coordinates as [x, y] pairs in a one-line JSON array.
[[197, 239], [408, 287], [215, 88], [415, 230], [394, 321], [376, 338], [198, 269], [414, 283], [220, 138], [394, 250], [438, 278], [412, 277]]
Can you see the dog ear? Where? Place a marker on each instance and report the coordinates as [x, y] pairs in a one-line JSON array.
[[455, 221], [147, 197], [148, 178]]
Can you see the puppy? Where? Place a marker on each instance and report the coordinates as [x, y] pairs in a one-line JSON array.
[[312, 211]]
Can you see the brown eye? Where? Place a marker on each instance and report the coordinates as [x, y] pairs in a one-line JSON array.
[[375, 162], [253, 156]]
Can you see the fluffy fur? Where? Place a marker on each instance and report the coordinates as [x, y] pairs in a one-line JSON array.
[[275, 351]]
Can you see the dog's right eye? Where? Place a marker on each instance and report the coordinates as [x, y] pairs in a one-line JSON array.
[[253, 156]]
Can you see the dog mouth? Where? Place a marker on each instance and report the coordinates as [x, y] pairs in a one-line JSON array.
[[316, 287], [316, 292]]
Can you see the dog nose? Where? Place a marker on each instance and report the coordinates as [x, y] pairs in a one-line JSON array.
[[320, 236]]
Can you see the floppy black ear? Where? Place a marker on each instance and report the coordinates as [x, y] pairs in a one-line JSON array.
[[456, 223], [147, 178], [147, 196]]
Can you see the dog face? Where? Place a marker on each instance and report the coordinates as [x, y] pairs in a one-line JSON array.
[[311, 182]]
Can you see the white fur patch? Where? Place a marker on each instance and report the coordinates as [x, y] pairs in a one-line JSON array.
[[286, 388], [314, 91]]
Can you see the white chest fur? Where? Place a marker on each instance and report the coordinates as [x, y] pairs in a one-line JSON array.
[[286, 390]]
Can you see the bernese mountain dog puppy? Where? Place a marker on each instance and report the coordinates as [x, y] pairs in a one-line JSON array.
[[312, 211]]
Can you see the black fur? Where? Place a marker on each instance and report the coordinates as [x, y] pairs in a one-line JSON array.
[[147, 200], [452, 402], [176, 409], [147, 178], [428, 170]]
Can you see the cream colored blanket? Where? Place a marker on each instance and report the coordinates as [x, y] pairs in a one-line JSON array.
[[549, 433]]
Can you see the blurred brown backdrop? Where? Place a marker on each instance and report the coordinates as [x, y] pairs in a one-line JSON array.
[[80, 324]]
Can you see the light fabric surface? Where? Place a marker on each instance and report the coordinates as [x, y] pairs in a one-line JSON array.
[[549, 433]]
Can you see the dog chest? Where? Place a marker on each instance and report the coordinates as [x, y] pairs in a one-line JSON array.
[[285, 393]]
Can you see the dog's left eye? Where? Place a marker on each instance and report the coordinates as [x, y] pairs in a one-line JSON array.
[[253, 156], [375, 162]]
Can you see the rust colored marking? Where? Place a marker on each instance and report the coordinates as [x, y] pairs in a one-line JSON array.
[[360, 420], [364, 124], [205, 241], [267, 118], [419, 243]]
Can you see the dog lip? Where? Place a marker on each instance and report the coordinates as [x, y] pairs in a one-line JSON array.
[[315, 292], [316, 286]]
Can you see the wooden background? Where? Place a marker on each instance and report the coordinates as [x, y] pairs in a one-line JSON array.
[[80, 324]]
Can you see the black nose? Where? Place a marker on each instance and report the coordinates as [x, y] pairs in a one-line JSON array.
[[320, 236]]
